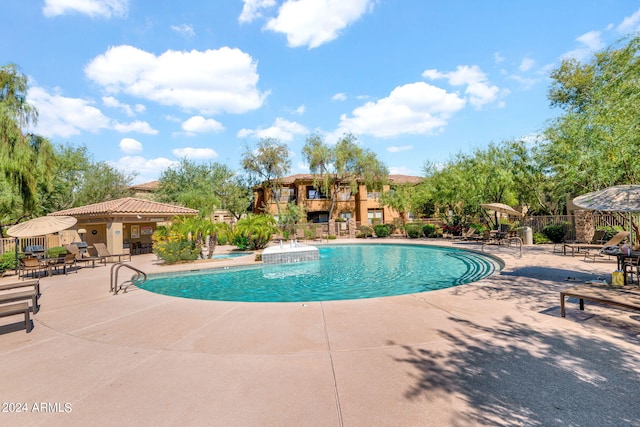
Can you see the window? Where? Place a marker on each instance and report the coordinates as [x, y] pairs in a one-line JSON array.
[[315, 193], [374, 215], [374, 195], [284, 194], [346, 215]]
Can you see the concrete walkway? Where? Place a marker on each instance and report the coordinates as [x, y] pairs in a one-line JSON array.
[[495, 352]]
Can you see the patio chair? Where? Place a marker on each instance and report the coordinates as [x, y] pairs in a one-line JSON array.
[[29, 265], [80, 257], [614, 241], [68, 262], [103, 252]]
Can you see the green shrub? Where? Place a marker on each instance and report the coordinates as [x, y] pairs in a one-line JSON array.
[[172, 250], [429, 230], [242, 242], [7, 261], [540, 238], [382, 230], [414, 230], [331, 237], [56, 251], [365, 231], [554, 232]]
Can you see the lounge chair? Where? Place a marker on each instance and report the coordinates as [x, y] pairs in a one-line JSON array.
[[103, 252], [614, 241], [73, 249], [466, 235]]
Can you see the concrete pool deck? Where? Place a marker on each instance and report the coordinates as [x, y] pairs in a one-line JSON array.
[[495, 352]]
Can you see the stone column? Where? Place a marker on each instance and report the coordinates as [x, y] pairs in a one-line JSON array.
[[352, 228], [584, 225]]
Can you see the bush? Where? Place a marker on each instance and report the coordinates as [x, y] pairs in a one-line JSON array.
[[554, 232], [173, 251], [610, 231], [242, 242], [331, 237], [7, 261], [429, 230], [56, 251], [365, 231], [414, 230], [539, 238], [382, 230]]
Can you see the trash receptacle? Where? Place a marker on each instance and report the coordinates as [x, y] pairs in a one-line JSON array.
[[526, 234]]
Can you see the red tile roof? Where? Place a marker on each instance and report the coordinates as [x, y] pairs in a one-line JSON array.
[[127, 206], [146, 186]]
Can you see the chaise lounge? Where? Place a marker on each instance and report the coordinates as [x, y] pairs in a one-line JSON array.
[[614, 241]]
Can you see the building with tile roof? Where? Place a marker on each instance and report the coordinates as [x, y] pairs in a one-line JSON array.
[[363, 206], [123, 223]]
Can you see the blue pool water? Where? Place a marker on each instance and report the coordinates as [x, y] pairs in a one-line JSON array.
[[343, 272], [231, 255]]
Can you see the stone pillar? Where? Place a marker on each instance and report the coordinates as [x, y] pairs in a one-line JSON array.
[[352, 228], [584, 225]]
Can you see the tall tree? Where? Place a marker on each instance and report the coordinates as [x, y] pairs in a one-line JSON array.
[[345, 165], [595, 143], [24, 158], [196, 186], [268, 163]]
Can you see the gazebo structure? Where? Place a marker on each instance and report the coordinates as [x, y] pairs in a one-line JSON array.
[[123, 223]]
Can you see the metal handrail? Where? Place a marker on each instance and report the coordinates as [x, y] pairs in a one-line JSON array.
[[508, 241], [139, 277]]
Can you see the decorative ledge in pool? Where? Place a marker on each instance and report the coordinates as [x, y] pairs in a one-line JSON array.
[[290, 252]]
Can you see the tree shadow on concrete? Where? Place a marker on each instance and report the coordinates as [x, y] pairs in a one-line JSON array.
[[513, 374]]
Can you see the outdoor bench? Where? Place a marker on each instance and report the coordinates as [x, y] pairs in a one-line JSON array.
[[21, 296], [25, 284], [616, 296], [13, 309]]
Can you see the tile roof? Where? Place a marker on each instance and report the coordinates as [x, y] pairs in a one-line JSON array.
[[396, 179], [146, 186], [127, 206]]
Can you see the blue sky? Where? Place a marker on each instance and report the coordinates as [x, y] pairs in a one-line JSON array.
[[144, 83]]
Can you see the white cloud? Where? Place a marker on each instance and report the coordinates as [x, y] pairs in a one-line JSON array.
[[135, 126], [112, 102], [140, 108], [93, 8], [300, 110], [195, 153], [198, 124], [145, 169], [589, 43], [252, 9], [394, 149], [62, 116], [630, 24], [526, 64], [478, 90], [402, 170], [414, 108], [282, 129], [498, 58], [210, 82], [130, 145], [315, 22], [184, 29], [339, 97]]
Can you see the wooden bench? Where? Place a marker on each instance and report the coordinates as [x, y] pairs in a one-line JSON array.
[[624, 297], [20, 308], [25, 284], [21, 296]]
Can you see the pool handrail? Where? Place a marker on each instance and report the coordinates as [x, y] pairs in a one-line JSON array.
[[139, 277]]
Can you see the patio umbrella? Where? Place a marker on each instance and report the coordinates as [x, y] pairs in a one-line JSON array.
[[502, 208], [619, 198], [40, 227]]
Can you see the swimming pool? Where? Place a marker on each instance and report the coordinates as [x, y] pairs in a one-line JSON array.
[[343, 272]]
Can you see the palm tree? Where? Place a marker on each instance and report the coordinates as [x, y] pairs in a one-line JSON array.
[[256, 229]]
